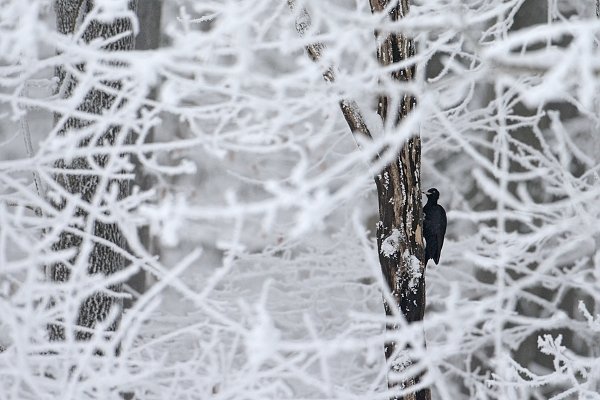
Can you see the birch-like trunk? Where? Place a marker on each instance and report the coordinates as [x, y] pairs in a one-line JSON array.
[[100, 259]]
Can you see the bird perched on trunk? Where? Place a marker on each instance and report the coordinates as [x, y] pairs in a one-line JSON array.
[[434, 226]]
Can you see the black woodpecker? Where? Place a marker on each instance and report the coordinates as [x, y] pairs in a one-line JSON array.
[[434, 226]]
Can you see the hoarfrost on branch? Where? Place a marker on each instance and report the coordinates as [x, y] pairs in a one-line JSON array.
[[259, 255]]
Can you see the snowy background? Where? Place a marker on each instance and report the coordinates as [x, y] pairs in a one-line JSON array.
[[261, 272]]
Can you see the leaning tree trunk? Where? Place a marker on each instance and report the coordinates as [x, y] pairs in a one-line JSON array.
[[99, 259], [400, 206], [398, 189]]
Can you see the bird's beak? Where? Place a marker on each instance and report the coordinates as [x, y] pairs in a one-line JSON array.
[[425, 193]]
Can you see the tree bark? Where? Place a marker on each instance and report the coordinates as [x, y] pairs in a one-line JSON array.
[[400, 206], [101, 259], [400, 227], [149, 14]]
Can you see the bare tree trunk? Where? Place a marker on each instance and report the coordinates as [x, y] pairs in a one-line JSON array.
[[101, 259], [400, 206], [149, 14], [398, 189]]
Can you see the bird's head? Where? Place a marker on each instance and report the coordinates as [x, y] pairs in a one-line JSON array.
[[432, 194]]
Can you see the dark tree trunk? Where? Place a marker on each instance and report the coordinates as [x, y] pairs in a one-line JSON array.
[[100, 259], [149, 14], [400, 227], [400, 206]]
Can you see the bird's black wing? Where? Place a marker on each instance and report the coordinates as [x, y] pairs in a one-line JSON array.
[[429, 233], [440, 230]]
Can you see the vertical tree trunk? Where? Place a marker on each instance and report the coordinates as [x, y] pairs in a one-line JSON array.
[[399, 194], [99, 259], [149, 14], [400, 227]]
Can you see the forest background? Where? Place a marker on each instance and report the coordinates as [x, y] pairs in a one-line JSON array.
[[185, 213]]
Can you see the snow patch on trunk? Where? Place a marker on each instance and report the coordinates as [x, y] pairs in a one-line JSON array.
[[389, 247], [413, 266]]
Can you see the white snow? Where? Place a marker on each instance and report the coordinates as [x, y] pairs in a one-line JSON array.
[[389, 246], [258, 185]]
